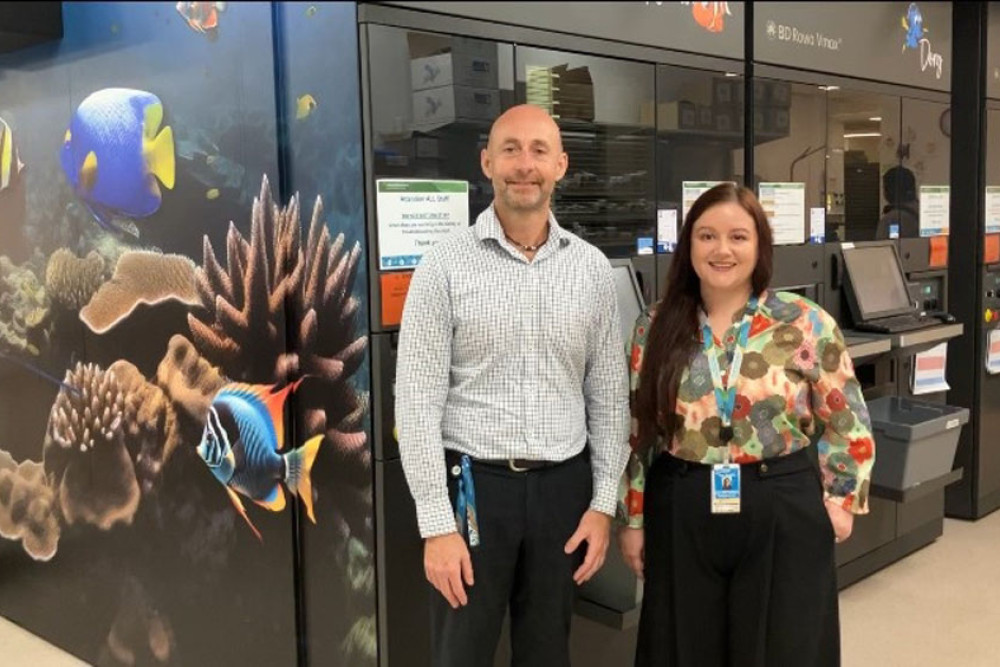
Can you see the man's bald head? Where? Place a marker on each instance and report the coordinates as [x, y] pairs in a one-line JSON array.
[[521, 115], [524, 159]]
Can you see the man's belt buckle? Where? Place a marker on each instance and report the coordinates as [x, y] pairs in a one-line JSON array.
[[516, 468]]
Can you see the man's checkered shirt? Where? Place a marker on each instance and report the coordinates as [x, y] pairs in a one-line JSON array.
[[503, 358]]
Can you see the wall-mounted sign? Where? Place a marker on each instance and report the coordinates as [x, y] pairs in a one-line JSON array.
[[784, 205], [413, 215], [906, 43], [934, 210]]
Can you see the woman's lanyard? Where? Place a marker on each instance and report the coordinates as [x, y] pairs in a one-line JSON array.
[[725, 395]]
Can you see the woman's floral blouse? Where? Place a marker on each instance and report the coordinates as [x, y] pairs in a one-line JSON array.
[[796, 384]]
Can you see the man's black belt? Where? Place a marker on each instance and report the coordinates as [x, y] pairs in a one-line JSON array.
[[518, 465]]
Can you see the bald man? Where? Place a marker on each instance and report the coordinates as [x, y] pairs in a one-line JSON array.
[[512, 408]]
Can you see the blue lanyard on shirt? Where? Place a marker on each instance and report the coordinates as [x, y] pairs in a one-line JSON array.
[[465, 503], [725, 395]]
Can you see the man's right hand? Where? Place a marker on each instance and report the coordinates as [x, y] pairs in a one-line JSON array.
[[633, 545], [446, 563]]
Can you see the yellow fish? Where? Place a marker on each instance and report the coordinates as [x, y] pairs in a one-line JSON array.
[[304, 106], [311, 11], [10, 162], [212, 194]]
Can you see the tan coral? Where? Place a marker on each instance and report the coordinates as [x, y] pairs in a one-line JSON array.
[[141, 277], [150, 423], [71, 281], [28, 508], [24, 308], [85, 454], [189, 381]]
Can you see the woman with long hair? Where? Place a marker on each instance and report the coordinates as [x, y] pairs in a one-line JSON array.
[[752, 452]]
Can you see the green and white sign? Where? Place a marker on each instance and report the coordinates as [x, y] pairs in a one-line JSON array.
[[992, 209], [934, 213], [784, 205], [691, 190], [413, 215]]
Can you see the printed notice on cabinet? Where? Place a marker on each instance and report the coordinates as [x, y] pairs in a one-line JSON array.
[[785, 207], [413, 215], [690, 191], [934, 213]]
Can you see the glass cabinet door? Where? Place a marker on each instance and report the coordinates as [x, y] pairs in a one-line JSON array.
[[433, 100], [607, 196], [699, 130], [864, 145], [925, 166], [800, 156]]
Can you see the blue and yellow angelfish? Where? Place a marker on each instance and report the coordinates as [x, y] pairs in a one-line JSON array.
[[242, 445], [115, 155]]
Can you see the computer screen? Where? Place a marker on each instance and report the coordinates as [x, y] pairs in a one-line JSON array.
[[630, 301], [877, 281]]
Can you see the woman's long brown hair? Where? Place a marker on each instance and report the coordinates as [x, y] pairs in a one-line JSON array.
[[673, 333]]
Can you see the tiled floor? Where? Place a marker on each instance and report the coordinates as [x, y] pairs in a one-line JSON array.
[[939, 607]]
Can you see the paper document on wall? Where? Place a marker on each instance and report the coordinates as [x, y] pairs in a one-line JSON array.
[[691, 190], [784, 205], [993, 352], [413, 215], [929, 371], [934, 212], [666, 230], [992, 209]]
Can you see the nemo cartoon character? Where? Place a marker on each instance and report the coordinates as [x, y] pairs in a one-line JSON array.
[[243, 445], [710, 15]]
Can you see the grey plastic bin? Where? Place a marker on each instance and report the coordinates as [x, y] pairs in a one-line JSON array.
[[915, 441]]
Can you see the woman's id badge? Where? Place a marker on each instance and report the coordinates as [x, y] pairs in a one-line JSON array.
[[726, 489]]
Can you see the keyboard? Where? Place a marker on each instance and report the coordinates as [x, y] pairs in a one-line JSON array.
[[897, 324]]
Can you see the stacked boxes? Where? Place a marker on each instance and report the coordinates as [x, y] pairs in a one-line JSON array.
[[567, 94], [774, 103], [727, 104], [458, 81]]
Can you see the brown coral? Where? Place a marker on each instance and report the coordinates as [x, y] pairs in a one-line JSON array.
[[141, 277], [279, 311], [85, 454], [24, 308], [189, 381], [150, 423], [28, 507], [71, 281], [140, 634]]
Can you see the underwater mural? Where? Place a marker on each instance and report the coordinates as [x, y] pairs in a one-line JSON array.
[[184, 374]]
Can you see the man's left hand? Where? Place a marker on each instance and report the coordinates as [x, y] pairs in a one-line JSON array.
[[595, 530]]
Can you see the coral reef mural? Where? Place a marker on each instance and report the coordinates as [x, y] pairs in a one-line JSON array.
[[183, 349]]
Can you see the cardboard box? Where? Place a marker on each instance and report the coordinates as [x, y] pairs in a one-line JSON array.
[[439, 106], [705, 117], [728, 119], [727, 91], [677, 115], [574, 93], [776, 120], [460, 61], [779, 94]]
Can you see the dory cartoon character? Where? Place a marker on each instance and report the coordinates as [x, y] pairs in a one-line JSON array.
[[243, 443], [115, 156], [913, 24], [202, 17]]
